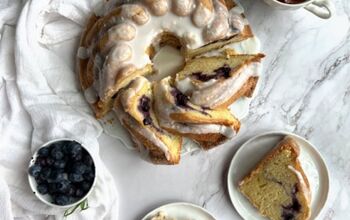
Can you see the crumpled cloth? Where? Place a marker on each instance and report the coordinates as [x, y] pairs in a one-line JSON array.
[[40, 100]]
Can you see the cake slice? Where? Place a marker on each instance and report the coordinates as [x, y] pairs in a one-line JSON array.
[[134, 108], [216, 82], [176, 114], [278, 186]]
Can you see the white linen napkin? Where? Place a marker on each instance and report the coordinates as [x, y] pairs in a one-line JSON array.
[[40, 100]]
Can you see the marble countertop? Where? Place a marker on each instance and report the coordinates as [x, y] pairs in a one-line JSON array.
[[305, 89]]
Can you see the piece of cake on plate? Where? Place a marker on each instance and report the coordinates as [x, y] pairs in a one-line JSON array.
[[278, 186], [161, 216]]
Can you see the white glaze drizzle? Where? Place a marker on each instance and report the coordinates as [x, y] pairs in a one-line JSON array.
[[219, 27], [164, 108], [158, 7], [183, 7], [303, 184], [214, 94], [90, 95], [248, 46], [136, 12], [144, 131], [134, 88], [202, 16]]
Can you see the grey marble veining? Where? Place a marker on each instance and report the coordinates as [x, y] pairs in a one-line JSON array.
[[305, 89]]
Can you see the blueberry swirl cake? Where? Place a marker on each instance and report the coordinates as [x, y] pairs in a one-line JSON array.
[[278, 186], [134, 108], [115, 57]]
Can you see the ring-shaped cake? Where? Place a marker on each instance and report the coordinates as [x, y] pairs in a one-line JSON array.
[[115, 57]]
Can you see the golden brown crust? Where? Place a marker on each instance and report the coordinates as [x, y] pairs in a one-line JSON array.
[[155, 154], [184, 117], [85, 81], [206, 141], [246, 90], [212, 139], [207, 4], [245, 34], [99, 24], [248, 87], [230, 4]]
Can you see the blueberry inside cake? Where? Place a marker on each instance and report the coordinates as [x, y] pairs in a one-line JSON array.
[[216, 82], [176, 114], [278, 186], [134, 108]]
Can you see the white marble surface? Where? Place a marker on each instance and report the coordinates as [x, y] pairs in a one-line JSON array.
[[305, 89]]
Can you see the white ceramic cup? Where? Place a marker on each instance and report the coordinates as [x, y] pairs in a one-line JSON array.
[[321, 8]]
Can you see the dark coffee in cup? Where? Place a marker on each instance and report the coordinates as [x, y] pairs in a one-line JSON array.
[[292, 1]]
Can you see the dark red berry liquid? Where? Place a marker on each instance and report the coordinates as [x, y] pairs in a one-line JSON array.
[[292, 1]]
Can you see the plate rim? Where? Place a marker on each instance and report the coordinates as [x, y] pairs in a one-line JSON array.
[[278, 132], [176, 204]]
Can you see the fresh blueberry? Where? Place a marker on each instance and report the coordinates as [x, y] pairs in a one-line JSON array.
[[50, 161], [59, 164], [75, 178], [39, 180], [78, 156], [52, 188], [43, 188], [71, 190], [79, 193], [45, 173], [62, 186], [61, 200], [79, 168], [90, 176], [66, 146], [89, 169], [56, 176], [41, 161], [87, 160], [56, 152], [44, 152], [34, 170], [75, 149], [85, 186]]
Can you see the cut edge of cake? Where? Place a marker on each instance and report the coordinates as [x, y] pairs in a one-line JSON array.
[[301, 191]]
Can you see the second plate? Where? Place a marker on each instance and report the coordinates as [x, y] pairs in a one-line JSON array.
[[252, 151]]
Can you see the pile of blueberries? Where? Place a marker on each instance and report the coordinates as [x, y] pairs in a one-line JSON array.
[[64, 170]]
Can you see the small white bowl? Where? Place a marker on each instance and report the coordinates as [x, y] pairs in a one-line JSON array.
[[47, 198]]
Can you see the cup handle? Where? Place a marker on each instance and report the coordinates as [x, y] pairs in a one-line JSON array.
[[321, 8]]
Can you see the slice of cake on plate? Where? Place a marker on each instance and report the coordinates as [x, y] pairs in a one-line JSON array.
[[278, 186]]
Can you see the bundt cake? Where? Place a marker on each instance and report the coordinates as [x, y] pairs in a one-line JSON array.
[[134, 109], [278, 186], [115, 60], [119, 43]]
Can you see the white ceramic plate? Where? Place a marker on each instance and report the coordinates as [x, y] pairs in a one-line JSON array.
[[252, 151], [182, 211]]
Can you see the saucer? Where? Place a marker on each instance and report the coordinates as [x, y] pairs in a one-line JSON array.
[[181, 211], [252, 151]]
